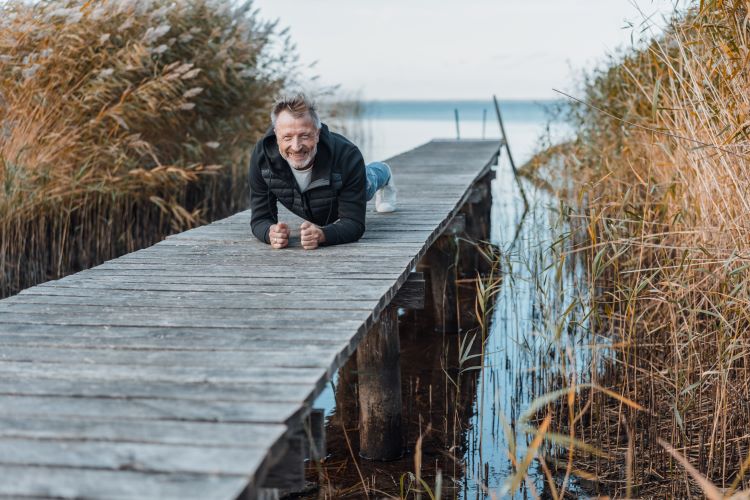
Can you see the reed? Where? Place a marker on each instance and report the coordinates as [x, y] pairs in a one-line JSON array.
[[124, 121], [661, 168]]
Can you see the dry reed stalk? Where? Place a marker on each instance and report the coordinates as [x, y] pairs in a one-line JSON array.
[[668, 240]]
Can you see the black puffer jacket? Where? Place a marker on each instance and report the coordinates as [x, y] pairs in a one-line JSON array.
[[335, 200]]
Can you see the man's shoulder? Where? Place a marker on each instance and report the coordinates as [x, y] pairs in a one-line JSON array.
[[340, 145], [265, 140], [265, 150], [342, 140]]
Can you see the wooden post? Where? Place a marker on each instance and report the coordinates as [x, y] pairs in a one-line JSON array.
[[458, 132], [411, 294], [440, 263], [288, 473], [477, 211], [346, 390], [379, 372], [315, 432]]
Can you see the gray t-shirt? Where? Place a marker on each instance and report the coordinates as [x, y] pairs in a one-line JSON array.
[[303, 177]]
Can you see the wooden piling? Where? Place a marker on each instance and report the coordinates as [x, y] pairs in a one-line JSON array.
[[379, 371], [439, 263], [346, 390], [477, 214]]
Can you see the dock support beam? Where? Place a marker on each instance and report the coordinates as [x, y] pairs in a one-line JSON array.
[[379, 371], [440, 263], [477, 212]]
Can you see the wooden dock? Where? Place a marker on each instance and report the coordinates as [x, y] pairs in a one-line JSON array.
[[188, 369]]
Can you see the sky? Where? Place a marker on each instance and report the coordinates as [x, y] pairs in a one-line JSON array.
[[448, 49]]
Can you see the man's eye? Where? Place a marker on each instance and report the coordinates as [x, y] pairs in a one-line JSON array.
[[305, 137]]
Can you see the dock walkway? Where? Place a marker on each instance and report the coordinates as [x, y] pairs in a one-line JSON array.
[[177, 371]]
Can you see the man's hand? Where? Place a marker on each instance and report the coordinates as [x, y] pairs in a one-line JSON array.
[[278, 234], [311, 235]]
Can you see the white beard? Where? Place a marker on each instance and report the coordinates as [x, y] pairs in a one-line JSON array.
[[304, 163]]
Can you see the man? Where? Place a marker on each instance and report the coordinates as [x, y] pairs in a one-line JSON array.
[[316, 174]]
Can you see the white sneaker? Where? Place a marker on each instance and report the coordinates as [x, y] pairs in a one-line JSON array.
[[385, 197]]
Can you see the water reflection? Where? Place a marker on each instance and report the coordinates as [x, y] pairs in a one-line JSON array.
[[533, 340]]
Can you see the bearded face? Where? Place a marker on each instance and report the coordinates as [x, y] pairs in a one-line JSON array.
[[297, 138]]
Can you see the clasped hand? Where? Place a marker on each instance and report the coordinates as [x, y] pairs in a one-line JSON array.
[[310, 235]]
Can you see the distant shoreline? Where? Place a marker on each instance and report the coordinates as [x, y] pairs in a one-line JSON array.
[[468, 110]]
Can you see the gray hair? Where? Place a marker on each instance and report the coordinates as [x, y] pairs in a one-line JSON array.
[[298, 105]]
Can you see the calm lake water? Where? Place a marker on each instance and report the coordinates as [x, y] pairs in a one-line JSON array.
[[521, 355], [388, 128]]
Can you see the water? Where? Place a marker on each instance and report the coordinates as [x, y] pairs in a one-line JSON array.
[[530, 344], [388, 128], [532, 341]]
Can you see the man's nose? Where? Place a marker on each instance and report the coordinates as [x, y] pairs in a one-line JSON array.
[[296, 144]]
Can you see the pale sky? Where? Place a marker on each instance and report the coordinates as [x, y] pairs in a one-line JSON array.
[[449, 49]]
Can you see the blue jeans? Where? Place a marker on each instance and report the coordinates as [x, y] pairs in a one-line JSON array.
[[378, 174]]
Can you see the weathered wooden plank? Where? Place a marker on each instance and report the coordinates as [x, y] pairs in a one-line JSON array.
[[266, 347], [24, 425], [209, 245], [396, 255], [320, 267], [377, 264], [382, 224], [177, 302], [253, 285], [181, 338], [218, 315], [230, 252], [187, 375], [78, 407], [268, 277], [272, 289], [379, 236], [144, 457], [281, 271], [313, 334], [272, 354], [116, 319], [67, 483], [316, 357]]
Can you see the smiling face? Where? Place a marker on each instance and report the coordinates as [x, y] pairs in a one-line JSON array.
[[297, 138]]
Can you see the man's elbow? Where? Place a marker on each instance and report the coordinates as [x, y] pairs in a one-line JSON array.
[[260, 230], [339, 233], [359, 232]]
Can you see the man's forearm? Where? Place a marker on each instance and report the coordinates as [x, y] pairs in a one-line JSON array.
[[260, 229], [343, 231]]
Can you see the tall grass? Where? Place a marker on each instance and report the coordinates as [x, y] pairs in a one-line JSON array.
[[123, 121], [662, 176]]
